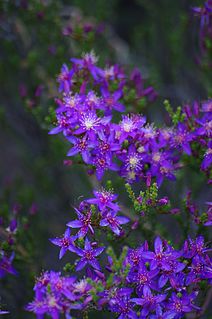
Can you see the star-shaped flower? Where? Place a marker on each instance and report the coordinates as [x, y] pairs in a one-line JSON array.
[[88, 255], [66, 242]]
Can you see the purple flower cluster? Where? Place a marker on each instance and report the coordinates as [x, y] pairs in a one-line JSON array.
[[92, 214], [195, 133], [87, 117], [162, 283]]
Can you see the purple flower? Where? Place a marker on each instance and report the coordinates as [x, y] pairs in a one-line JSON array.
[[131, 124], [90, 123], [83, 222], [81, 146], [182, 138], [113, 221], [161, 258], [110, 101], [88, 255], [200, 268], [63, 125], [134, 256], [104, 199], [88, 62], [148, 301], [6, 265], [132, 164], [62, 285], [142, 277], [103, 163], [64, 79], [123, 306], [207, 160], [162, 315], [107, 145], [204, 13], [179, 304], [66, 242], [196, 247], [170, 272]]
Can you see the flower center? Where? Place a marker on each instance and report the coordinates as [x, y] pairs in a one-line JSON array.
[[88, 255], [156, 157], [109, 101], [178, 306], [65, 242], [142, 278]]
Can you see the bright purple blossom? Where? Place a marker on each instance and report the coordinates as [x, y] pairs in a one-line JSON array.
[[123, 306], [88, 255], [179, 305], [148, 301], [83, 222], [113, 221], [66, 242], [104, 199]]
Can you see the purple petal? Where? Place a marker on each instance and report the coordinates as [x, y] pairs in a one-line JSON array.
[[73, 151], [148, 255], [98, 251], [62, 252], [81, 264], [75, 224], [94, 263], [67, 233], [55, 130], [87, 244], [76, 250], [56, 241], [162, 281], [169, 315], [123, 220], [158, 245], [104, 222], [99, 174], [115, 229]]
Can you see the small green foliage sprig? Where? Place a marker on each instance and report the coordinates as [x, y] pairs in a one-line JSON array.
[[176, 116]]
